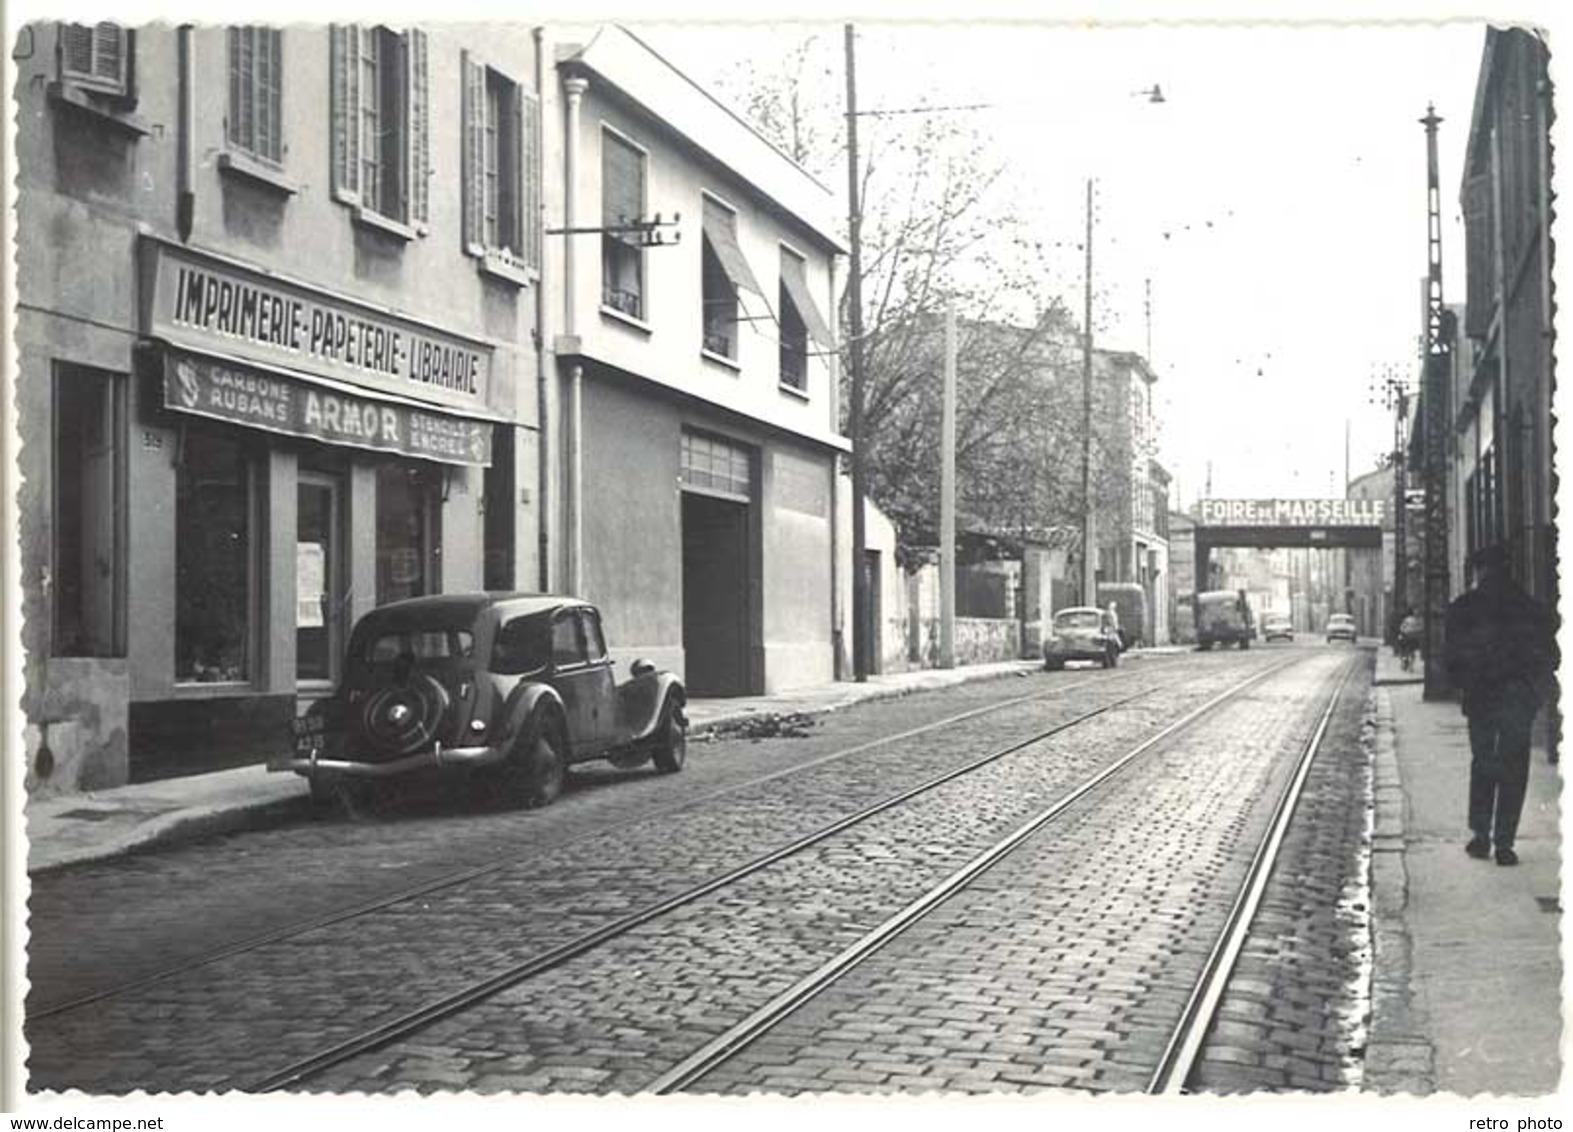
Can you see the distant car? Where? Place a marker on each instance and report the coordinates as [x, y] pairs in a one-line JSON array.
[[1223, 617], [1340, 627], [1081, 633], [509, 687], [1277, 627]]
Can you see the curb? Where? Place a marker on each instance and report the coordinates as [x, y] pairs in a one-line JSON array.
[[1400, 1057], [180, 825], [175, 827], [868, 694]]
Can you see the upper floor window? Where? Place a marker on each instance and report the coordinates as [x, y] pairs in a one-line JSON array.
[[622, 203], [724, 271], [96, 58], [800, 321], [501, 168], [381, 122], [256, 92]]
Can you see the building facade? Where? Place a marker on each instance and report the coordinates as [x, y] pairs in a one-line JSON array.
[[1133, 545], [692, 406], [317, 318], [277, 296], [1503, 464]]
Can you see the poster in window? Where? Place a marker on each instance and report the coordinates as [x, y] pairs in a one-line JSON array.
[[405, 566], [311, 559]]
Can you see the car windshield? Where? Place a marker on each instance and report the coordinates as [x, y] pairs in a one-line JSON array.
[[1079, 619], [1341, 619]]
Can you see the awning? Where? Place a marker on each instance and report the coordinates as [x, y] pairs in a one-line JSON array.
[[794, 277], [319, 409], [721, 231]]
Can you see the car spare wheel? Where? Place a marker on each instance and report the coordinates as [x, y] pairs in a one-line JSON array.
[[671, 750], [403, 718]]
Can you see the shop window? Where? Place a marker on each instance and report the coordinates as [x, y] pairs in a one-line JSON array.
[[502, 148], [213, 560], [96, 58], [86, 578], [381, 123], [255, 122], [622, 203], [409, 544]]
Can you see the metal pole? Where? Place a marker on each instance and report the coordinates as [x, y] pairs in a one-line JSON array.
[[1400, 515], [947, 501], [1089, 550], [1435, 412], [860, 642]]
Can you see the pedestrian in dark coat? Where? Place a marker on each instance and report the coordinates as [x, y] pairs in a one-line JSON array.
[[1501, 653]]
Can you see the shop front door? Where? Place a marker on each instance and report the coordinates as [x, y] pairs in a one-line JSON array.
[[318, 582]]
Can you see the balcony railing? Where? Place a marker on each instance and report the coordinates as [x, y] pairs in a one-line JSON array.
[[630, 303]]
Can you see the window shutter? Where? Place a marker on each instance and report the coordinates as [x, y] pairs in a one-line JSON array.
[[270, 111], [530, 178], [109, 54], [420, 127], [97, 55], [474, 171], [76, 51], [346, 111]]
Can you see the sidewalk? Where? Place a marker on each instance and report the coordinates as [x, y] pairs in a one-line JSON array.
[[74, 828], [1467, 986]]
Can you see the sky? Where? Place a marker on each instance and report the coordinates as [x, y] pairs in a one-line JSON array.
[[1286, 166], [1274, 202]]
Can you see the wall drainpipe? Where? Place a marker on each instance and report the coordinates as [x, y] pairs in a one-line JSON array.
[[185, 197]]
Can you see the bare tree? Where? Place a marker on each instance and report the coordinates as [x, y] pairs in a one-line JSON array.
[[938, 230]]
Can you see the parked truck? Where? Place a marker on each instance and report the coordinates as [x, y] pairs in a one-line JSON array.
[[1130, 607], [1223, 617]]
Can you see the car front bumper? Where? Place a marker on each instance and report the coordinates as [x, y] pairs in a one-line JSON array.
[[1076, 652], [439, 758]]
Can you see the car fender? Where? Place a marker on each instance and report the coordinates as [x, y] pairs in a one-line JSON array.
[[528, 706], [642, 700]]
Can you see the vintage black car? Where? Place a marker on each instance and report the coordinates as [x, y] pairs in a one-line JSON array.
[[511, 687]]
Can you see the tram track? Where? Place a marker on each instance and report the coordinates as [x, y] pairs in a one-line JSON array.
[[1186, 1040], [415, 1021], [460, 877]]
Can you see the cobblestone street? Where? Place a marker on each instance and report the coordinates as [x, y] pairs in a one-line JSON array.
[[1060, 968]]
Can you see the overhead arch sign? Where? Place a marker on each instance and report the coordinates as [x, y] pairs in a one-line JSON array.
[[1292, 512]]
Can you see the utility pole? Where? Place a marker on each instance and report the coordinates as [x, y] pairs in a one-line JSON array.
[[947, 500], [1400, 514], [1434, 422], [1089, 549], [860, 627]]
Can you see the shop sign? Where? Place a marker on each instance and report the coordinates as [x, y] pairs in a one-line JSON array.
[[1292, 512], [261, 400], [215, 307]]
